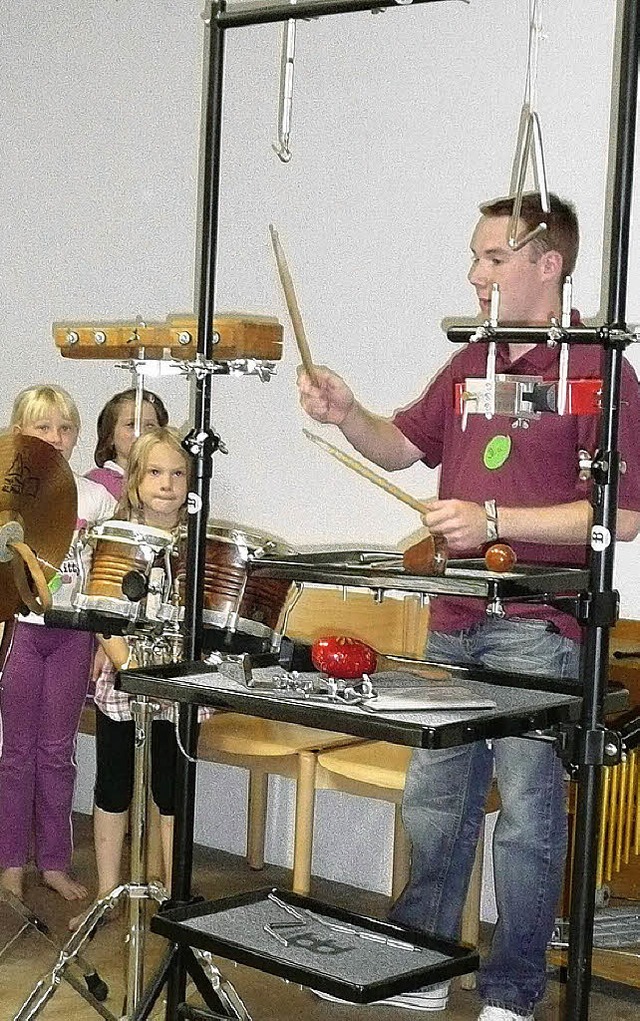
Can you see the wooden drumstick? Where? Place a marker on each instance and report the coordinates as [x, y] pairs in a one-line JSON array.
[[366, 473], [292, 305]]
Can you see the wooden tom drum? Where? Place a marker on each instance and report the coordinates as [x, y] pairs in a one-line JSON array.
[[118, 549], [234, 600]]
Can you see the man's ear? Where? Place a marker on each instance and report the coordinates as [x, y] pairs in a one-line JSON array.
[[551, 265]]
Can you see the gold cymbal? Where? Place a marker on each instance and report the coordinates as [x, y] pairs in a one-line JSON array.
[[38, 502]]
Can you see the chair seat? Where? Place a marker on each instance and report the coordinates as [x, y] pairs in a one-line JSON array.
[[251, 737], [380, 764], [376, 763]]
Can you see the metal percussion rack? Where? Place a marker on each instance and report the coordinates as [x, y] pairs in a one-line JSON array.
[[589, 744], [382, 571]]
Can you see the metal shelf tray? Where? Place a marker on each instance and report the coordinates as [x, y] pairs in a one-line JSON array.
[[382, 570], [305, 941], [518, 711]]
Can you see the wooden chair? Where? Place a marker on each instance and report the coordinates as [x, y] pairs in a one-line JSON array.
[[377, 769], [394, 626]]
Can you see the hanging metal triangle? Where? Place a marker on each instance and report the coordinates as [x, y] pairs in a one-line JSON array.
[[528, 148]]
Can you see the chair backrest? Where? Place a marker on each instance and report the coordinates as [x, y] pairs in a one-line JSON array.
[[395, 626]]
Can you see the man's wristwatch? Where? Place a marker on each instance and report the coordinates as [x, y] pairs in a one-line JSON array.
[[491, 511]]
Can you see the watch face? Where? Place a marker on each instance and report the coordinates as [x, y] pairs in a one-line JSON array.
[[496, 452]]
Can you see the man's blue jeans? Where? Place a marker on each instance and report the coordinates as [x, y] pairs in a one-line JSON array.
[[443, 809]]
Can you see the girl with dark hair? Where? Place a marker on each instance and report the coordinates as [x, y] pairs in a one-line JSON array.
[[116, 433]]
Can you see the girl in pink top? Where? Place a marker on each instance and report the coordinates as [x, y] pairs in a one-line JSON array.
[[116, 433]]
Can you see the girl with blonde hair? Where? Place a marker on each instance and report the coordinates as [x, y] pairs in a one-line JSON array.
[[155, 494], [44, 683]]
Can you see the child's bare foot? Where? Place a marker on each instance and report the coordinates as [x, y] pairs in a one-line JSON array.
[[63, 884], [11, 880]]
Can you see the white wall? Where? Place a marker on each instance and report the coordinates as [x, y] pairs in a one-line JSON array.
[[403, 123]]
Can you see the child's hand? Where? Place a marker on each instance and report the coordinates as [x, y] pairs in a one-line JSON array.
[[99, 662], [117, 650]]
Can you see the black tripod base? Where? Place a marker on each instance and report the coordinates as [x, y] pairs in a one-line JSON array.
[[188, 1013], [219, 996]]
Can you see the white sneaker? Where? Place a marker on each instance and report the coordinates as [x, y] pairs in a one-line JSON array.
[[490, 1013], [427, 998]]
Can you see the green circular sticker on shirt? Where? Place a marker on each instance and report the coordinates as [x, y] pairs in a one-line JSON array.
[[55, 583], [496, 452]]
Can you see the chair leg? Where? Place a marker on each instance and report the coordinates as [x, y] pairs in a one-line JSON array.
[[470, 928], [303, 826], [257, 817], [401, 855]]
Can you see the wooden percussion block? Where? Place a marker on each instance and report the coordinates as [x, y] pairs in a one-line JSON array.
[[239, 337], [120, 341]]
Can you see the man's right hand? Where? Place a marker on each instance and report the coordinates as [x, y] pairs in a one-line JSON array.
[[328, 399]]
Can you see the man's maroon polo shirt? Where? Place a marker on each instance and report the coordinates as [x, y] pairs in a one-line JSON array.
[[541, 469]]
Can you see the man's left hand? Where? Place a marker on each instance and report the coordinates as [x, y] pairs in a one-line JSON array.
[[463, 524]]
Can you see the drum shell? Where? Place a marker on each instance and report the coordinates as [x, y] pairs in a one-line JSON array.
[[110, 563], [234, 598], [119, 547]]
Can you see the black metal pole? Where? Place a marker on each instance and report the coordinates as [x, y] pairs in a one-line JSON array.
[[603, 609], [201, 444], [266, 13]]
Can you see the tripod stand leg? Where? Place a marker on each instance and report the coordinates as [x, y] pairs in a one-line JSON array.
[[13, 939], [208, 980], [155, 986], [47, 986], [96, 990]]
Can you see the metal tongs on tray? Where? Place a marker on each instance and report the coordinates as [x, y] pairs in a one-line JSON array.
[[310, 687]]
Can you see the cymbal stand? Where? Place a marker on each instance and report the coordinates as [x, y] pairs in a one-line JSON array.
[[136, 890], [96, 990]]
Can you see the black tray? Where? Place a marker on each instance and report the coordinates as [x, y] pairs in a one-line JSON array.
[[382, 571], [518, 708], [310, 950]]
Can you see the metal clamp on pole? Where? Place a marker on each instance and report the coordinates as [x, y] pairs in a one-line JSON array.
[[598, 609], [598, 746]]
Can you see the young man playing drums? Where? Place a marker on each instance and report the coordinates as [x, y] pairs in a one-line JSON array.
[[523, 486]]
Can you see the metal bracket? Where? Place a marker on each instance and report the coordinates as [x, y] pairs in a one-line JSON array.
[[598, 609], [203, 443], [579, 747]]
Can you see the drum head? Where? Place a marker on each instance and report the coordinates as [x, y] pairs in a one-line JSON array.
[[256, 543], [131, 533]]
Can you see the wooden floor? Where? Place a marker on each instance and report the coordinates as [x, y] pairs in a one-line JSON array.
[[266, 998]]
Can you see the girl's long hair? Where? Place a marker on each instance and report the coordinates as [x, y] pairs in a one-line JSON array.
[[129, 507], [108, 418]]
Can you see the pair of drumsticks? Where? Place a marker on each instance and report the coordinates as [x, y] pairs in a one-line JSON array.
[[307, 361], [429, 556]]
